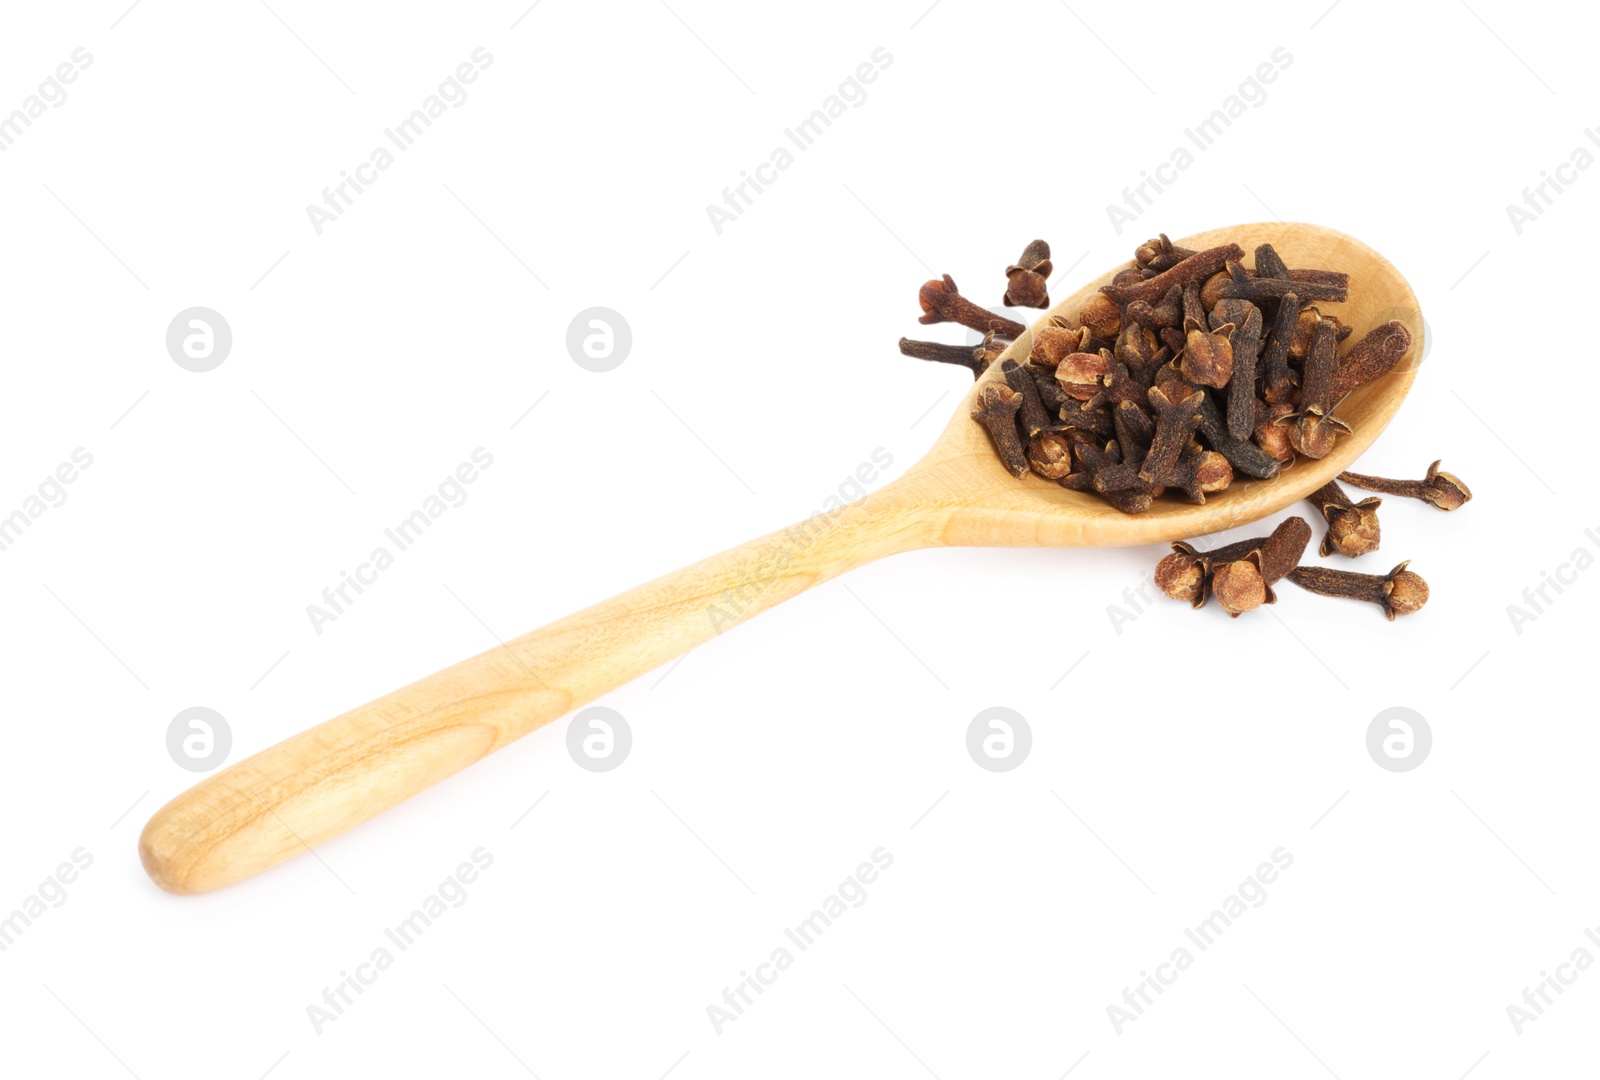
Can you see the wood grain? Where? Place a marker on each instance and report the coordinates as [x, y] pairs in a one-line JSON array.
[[312, 787]]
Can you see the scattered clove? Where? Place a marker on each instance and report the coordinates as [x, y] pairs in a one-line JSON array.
[[1241, 575], [1443, 490], [965, 356], [1025, 280], [942, 302], [1352, 527], [1399, 592]]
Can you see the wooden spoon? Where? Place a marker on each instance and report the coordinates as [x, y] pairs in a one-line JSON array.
[[315, 785]]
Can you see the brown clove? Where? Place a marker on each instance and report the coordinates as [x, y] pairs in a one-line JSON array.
[[1441, 489]]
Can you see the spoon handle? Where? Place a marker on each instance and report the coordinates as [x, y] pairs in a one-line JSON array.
[[313, 786]]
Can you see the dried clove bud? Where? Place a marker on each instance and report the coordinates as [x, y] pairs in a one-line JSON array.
[[1182, 577], [1278, 382], [1032, 415], [1242, 286], [1118, 385], [942, 302], [1282, 550], [1239, 586], [1044, 380], [1137, 349], [1197, 267], [1244, 343], [1160, 254], [1101, 315], [993, 345], [1245, 583], [1399, 592], [1314, 432], [1210, 294], [1243, 455], [1135, 430], [1050, 455], [1352, 527], [1207, 354], [1374, 355], [997, 412], [1025, 280], [1199, 473], [1076, 416], [1241, 574], [1271, 434], [1300, 340], [1269, 264], [1441, 489], [1177, 407], [1080, 374], [1102, 471], [1168, 312], [1053, 344], [962, 355]]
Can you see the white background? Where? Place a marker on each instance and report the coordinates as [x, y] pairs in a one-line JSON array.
[[370, 360]]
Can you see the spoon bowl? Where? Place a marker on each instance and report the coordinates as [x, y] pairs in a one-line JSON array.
[[986, 506], [309, 788]]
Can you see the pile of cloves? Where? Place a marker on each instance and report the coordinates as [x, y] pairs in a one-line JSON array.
[[1187, 369]]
